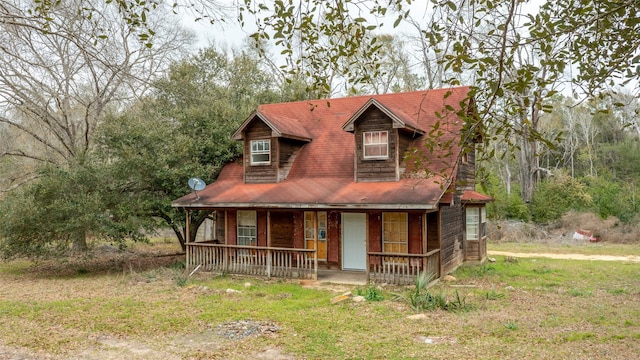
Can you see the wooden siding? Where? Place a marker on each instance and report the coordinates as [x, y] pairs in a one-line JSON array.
[[220, 221], [452, 236], [287, 151], [232, 229], [261, 223], [466, 174], [375, 234], [376, 170], [259, 173], [406, 140], [282, 229], [433, 231], [415, 233], [375, 231], [298, 229], [472, 250]]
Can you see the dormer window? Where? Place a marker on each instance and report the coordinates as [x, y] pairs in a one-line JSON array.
[[261, 152], [375, 144]]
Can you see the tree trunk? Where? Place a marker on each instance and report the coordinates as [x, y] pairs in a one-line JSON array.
[[79, 241], [180, 235], [528, 167]]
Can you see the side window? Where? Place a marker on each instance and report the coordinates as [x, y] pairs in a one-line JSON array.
[[261, 152], [375, 144], [247, 229], [483, 221], [473, 223]]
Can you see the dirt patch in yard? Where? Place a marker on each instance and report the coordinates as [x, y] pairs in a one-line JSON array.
[[631, 258]]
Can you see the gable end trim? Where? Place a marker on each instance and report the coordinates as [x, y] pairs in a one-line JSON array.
[[397, 122]]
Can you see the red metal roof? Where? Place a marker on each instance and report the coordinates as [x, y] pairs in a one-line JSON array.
[[323, 171], [475, 197]]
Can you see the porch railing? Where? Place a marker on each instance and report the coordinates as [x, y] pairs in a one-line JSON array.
[[402, 269], [253, 260]]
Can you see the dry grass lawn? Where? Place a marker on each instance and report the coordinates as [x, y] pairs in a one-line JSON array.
[[137, 305]]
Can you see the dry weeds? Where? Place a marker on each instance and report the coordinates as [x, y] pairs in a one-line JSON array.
[[563, 311], [560, 232]]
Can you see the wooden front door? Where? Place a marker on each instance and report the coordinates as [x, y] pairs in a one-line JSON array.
[[354, 241], [315, 232]]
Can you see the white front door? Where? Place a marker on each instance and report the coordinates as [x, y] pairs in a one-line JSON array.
[[354, 241]]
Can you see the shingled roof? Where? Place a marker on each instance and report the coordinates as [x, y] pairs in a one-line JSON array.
[[322, 174]]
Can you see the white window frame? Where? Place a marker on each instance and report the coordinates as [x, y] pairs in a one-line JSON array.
[[475, 224], [376, 142], [266, 150], [247, 229], [483, 222], [399, 227], [472, 222]]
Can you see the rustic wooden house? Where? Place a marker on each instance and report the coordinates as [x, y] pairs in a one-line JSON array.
[[382, 184]]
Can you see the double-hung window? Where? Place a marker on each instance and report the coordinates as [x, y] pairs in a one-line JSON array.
[[375, 144], [261, 152], [476, 222], [247, 229]]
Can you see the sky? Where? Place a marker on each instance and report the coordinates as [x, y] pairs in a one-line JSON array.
[[230, 35]]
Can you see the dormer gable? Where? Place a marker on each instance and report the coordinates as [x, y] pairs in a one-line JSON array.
[[381, 138], [270, 146], [398, 118], [280, 126]]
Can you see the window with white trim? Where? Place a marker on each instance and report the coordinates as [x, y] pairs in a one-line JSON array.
[[483, 221], [473, 223], [261, 152], [247, 229], [476, 223], [375, 144], [395, 232]]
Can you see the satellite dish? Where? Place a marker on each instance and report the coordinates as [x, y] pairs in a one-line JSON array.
[[196, 185]]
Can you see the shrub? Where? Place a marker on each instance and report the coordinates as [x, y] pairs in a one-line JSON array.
[[370, 293], [505, 206], [420, 298], [611, 199], [557, 195]]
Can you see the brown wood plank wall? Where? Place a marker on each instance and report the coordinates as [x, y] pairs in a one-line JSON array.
[[415, 233], [376, 170], [375, 231], [282, 229], [334, 237], [262, 227], [298, 229], [452, 236], [259, 173], [466, 174], [433, 231], [232, 229], [220, 216]]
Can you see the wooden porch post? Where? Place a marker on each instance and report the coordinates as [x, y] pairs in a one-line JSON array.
[[186, 240], [366, 243], [315, 253], [439, 244], [268, 244], [425, 249]]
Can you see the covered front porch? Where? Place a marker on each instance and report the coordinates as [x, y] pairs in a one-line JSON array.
[[389, 268], [391, 247]]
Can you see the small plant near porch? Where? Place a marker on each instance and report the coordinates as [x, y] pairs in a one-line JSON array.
[[421, 298], [370, 293]]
